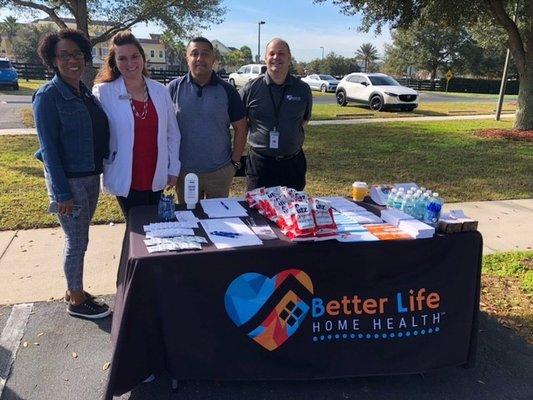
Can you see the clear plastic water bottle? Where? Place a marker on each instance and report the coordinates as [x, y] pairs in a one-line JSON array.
[[398, 200], [390, 199], [407, 205], [420, 207], [165, 208], [433, 209]]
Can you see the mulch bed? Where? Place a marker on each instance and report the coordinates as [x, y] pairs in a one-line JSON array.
[[511, 134]]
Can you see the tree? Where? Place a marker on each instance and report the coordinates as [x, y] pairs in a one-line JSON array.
[[174, 49], [460, 13], [181, 17], [426, 45], [26, 42], [367, 53], [9, 28], [246, 54]]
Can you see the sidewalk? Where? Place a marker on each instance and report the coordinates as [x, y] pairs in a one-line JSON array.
[[355, 121], [30, 261]]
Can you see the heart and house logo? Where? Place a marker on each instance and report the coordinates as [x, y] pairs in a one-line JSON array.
[[269, 310]]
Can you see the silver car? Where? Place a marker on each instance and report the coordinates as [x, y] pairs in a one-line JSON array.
[[324, 83]]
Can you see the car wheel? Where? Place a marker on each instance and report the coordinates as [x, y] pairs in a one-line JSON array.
[[16, 86], [323, 88], [232, 83], [341, 98], [376, 103]]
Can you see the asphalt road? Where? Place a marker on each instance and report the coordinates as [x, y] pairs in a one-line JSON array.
[[425, 97], [47, 370]]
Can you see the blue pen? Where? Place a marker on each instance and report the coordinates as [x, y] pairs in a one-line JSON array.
[[232, 235], [224, 204]]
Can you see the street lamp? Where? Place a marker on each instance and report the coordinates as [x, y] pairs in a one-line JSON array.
[[322, 47], [258, 57]]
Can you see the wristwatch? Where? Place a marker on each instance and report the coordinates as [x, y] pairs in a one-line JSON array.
[[236, 164]]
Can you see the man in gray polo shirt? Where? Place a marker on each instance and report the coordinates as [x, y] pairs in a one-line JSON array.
[[205, 107], [278, 107]]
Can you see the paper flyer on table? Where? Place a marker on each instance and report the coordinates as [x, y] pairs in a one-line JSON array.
[[239, 234], [223, 208]]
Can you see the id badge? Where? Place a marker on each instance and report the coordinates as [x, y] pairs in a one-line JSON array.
[[274, 139]]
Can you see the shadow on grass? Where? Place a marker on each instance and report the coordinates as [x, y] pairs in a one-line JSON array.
[[36, 172], [361, 110]]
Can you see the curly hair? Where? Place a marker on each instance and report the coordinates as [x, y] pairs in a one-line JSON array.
[[47, 45], [109, 71]]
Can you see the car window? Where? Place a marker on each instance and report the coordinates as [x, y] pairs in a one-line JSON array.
[[241, 69], [246, 70], [5, 64], [255, 69], [383, 81], [353, 79], [326, 77]]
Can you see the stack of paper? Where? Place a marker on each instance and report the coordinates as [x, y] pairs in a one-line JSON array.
[[223, 208], [187, 219], [394, 216], [416, 228], [229, 232], [353, 211]]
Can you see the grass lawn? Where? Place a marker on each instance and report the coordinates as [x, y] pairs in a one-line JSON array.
[[443, 156], [457, 94], [507, 290], [333, 111], [25, 88]]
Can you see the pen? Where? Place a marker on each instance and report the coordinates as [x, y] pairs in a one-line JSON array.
[[224, 204], [232, 235]]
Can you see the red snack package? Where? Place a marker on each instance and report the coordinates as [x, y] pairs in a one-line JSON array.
[[323, 217], [303, 224], [252, 197]]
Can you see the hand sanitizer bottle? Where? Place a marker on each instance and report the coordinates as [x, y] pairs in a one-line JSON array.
[[190, 190]]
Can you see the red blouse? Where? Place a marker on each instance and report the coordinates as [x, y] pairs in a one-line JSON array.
[[144, 147]]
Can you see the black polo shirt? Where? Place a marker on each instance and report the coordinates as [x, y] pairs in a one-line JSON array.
[[260, 97]]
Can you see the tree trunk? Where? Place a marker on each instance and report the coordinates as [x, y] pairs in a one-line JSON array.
[[524, 110]]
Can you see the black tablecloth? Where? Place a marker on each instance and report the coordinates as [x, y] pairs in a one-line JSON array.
[[217, 314]]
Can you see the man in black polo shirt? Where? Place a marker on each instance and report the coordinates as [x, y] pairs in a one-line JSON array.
[[278, 107]]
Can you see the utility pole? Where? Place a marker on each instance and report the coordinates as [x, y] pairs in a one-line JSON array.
[[258, 57]]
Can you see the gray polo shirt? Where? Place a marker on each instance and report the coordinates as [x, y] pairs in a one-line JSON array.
[[204, 115], [296, 103]]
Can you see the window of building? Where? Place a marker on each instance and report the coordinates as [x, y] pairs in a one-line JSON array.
[[152, 53], [106, 51], [160, 53], [93, 51]]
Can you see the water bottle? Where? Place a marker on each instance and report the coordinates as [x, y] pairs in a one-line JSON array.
[[398, 200], [390, 198], [433, 209], [165, 208], [420, 207], [407, 206]]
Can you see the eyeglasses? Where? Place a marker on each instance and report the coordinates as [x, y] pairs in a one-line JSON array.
[[78, 55]]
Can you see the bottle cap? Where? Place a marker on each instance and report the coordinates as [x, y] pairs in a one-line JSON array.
[[359, 184]]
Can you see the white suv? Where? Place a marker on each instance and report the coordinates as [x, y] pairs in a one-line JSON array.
[[378, 91], [246, 73]]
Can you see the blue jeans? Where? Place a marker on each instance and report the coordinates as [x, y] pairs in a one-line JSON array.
[[85, 191]]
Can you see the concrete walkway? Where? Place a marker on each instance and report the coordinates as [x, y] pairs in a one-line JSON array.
[[31, 131], [30, 260]]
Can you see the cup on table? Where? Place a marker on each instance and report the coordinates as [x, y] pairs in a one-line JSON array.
[[359, 191]]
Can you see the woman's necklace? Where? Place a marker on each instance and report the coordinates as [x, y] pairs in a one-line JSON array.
[[144, 112]]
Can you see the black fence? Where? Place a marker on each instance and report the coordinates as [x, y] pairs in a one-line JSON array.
[[465, 85], [37, 71]]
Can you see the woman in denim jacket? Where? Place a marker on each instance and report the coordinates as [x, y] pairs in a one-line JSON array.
[[74, 136]]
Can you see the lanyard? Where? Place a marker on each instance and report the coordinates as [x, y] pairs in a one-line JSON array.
[[278, 107]]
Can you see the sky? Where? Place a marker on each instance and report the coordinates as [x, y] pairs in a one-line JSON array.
[[304, 25]]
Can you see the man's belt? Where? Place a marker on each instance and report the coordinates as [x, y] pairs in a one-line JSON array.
[[277, 158]]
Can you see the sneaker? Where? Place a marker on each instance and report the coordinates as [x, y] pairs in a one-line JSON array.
[[89, 309], [87, 295]]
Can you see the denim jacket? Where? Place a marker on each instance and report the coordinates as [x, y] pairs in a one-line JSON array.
[[65, 134]]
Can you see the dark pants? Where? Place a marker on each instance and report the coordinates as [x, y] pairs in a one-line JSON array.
[[138, 198], [269, 171]]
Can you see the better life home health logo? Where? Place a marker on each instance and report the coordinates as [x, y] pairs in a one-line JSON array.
[[269, 310]]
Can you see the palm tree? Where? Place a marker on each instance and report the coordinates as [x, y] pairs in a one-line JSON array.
[[9, 28], [367, 53]]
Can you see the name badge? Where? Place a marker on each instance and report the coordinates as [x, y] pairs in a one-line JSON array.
[[274, 139]]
